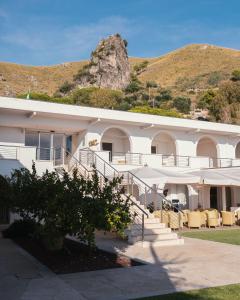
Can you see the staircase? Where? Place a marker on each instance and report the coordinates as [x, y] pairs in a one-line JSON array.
[[145, 230]]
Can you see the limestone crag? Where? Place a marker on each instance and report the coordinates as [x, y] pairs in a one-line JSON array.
[[109, 66]]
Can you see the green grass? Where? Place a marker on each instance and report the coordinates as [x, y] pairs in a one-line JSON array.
[[229, 292], [229, 236]]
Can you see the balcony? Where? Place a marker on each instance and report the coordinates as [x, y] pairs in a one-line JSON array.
[[160, 160]]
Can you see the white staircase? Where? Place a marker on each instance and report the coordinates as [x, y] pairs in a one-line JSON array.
[[146, 230], [150, 232]]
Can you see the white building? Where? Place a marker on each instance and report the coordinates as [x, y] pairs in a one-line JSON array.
[[38, 131]]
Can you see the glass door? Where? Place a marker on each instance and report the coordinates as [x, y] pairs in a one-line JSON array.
[[45, 146]]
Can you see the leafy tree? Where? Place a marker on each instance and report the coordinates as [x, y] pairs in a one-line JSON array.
[[134, 86], [71, 205], [164, 95], [182, 104]]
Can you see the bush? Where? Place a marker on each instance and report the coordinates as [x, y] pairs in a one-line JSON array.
[[71, 205], [182, 104], [66, 87], [235, 75], [156, 111], [21, 228]]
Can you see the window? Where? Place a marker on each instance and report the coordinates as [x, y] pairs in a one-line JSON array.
[[31, 138], [153, 149]]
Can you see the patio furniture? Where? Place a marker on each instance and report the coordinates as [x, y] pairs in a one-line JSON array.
[[212, 218], [162, 215], [194, 219], [203, 218], [228, 218], [175, 220], [185, 215]]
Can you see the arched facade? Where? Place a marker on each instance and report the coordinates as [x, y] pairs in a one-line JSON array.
[[206, 147], [164, 144], [117, 142], [237, 151]]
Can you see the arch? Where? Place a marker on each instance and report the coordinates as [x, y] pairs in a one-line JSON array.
[[207, 147], [237, 150], [115, 140], [164, 144]]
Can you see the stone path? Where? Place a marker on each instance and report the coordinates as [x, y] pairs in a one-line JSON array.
[[196, 264]]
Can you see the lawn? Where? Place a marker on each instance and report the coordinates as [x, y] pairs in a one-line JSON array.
[[229, 292], [229, 236]]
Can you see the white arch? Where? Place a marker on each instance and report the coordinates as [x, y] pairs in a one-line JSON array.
[[237, 150], [208, 149], [171, 137], [114, 139]]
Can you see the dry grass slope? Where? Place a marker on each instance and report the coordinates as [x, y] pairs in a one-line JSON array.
[[195, 62]]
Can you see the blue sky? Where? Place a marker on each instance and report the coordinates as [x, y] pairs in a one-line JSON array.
[[46, 32]]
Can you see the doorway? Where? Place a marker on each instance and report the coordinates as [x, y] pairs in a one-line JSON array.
[[214, 197], [108, 147]]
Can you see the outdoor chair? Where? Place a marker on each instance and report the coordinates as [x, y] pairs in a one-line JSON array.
[[212, 218], [175, 220], [228, 218], [194, 219], [185, 215], [203, 218], [162, 215]]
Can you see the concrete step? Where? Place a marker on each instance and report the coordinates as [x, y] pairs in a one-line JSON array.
[[148, 225], [149, 221], [163, 243], [149, 231], [153, 237]]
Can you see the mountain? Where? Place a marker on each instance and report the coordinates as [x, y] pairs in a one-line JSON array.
[[187, 70]]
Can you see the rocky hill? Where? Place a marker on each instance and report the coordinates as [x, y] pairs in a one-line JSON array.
[[109, 66], [187, 70]]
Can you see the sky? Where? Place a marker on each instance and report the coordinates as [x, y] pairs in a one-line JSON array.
[[48, 32]]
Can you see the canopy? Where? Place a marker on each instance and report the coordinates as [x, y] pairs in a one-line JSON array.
[[222, 177], [161, 176]]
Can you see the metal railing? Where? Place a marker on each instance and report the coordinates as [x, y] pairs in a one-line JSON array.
[[8, 152], [128, 158], [133, 185]]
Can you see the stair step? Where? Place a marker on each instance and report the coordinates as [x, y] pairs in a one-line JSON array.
[[149, 231], [153, 237], [150, 221], [163, 243], [148, 225]]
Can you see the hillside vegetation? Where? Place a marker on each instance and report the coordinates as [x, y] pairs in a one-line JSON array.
[[191, 67], [197, 76]]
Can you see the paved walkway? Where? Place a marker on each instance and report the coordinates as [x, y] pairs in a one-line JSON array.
[[196, 264]]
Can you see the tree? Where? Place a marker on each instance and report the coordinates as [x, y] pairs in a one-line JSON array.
[[182, 104], [66, 87], [139, 68], [206, 99], [71, 205]]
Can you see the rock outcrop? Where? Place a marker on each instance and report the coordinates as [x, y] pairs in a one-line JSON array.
[[109, 66]]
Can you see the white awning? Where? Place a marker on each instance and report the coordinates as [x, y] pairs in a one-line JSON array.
[[219, 177], [160, 176]]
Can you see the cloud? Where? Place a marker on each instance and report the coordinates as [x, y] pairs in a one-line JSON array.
[[74, 42]]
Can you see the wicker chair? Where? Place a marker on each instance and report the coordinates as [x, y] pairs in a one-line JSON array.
[[228, 218], [203, 218], [175, 221], [194, 219], [162, 215], [212, 218]]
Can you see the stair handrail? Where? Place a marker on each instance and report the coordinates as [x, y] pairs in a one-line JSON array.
[[175, 207]]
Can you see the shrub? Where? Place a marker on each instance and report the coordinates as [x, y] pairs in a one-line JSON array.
[[66, 87], [70, 205], [139, 68], [235, 75], [21, 228], [156, 111], [182, 104]]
